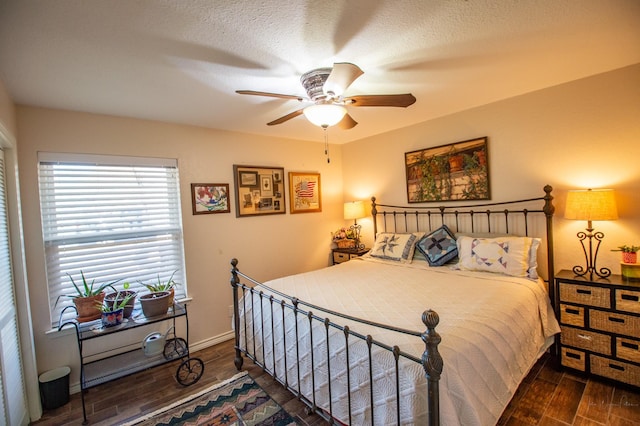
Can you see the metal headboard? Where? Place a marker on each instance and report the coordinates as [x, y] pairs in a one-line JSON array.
[[508, 217]]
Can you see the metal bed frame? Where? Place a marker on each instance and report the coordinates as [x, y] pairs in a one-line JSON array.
[[392, 219]]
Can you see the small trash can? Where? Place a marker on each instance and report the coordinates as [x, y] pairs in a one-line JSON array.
[[54, 388]]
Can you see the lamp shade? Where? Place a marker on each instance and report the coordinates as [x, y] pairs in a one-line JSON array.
[[354, 210], [591, 204], [325, 115]]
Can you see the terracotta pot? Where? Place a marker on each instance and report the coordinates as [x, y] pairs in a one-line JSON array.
[[112, 318], [88, 307], [128, 308], [154, 304], [629, 257]]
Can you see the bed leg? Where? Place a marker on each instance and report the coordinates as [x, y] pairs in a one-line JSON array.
[[432, 363], [237, 360]]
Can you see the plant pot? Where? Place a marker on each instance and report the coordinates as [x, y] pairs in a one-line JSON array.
[[112, 318], [110, 298], [629, 257], [88, 307], [154, 304]]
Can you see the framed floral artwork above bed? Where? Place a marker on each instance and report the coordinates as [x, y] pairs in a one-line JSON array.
[[457, 171], [210, 198], [259, 190], [304, 192]]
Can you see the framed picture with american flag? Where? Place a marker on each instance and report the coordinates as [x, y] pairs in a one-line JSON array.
[[259, 190], [304, 192]]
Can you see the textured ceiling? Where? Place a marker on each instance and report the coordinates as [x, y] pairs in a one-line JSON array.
[[181, 61]]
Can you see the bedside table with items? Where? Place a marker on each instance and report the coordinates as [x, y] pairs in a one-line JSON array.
[[339, 255], [600, 321]]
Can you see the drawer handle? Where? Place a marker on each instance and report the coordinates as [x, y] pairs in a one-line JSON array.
[[616, 367], [572, 311], [614, 319], [582, 291], [572, 355], [629, 345], [630, 297], [584, 337]]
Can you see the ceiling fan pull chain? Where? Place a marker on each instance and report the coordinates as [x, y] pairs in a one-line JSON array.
[[326, 143]]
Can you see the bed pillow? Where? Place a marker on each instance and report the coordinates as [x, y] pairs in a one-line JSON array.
[[439, 246], [504, 255], [394, 246]]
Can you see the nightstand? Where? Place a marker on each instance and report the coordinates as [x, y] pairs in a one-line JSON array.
[[339, 255], [600, 321]]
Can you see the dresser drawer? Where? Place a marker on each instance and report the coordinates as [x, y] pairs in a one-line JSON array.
[[617, 370], [585, 295], [614, 322], [572, 315], [340, 257], [587, 340], [573, 358], [628, 349], [628, 300]]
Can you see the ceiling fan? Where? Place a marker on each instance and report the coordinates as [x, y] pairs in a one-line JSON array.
[[325, 88]]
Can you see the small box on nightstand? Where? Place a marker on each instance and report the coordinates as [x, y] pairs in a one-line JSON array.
[[630, 271]]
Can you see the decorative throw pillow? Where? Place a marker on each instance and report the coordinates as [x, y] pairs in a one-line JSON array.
[[504, 255], [439, 247], [396, 247]]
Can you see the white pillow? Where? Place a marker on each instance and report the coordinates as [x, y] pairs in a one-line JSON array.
[[395, 246], [505, 255]]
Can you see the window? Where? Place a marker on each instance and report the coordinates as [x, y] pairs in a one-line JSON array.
[[113, 218]]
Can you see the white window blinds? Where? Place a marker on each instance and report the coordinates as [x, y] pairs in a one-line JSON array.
[[111, 218]]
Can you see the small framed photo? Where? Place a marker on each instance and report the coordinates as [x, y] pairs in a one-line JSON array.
[[210, 198], [259, 190], [305, 192]]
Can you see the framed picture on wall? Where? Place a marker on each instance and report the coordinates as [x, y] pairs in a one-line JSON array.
[[457, 171], [210, 198], [304, 192], [259, 190]]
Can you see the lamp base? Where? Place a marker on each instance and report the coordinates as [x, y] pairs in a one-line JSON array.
[[591, 255]]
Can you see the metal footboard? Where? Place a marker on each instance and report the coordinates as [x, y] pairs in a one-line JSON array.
[[279, 305]]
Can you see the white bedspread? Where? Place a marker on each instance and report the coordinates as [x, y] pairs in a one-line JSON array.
[[493, 329]]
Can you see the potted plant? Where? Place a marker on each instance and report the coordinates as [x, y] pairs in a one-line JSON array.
[[629, 253], [162, 286], [112, 313], [126, 295], [87, 298], [154, 304]]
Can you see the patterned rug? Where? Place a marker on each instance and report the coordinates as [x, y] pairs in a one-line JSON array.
[[238, 401]]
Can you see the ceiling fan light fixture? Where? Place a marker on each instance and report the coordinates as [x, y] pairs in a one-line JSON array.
[[325, 115]]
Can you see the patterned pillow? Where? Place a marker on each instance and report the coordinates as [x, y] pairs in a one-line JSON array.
[[439, 247], [396, 247], [505, 255]]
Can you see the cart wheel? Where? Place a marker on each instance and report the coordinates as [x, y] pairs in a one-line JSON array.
[[175, 348], [190, 371]]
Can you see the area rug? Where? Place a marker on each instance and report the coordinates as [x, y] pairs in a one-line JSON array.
[[238, 401]]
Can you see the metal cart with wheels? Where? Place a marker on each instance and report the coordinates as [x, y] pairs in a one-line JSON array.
[[95, 370]]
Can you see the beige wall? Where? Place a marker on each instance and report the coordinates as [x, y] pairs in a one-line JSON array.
[[583, 134], [267, 246], [7, 112]]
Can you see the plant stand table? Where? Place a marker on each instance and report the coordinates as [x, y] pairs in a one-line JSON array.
[[128, 361]]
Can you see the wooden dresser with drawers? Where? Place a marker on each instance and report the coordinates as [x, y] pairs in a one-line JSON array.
[[600, 321]]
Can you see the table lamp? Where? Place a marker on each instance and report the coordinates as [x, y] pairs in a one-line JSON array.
[[355, 210], [590, 205]]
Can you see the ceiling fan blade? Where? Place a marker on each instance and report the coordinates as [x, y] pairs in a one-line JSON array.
[[347, 122], [287, 117], [341, 77], [273, 95], [403, 100]]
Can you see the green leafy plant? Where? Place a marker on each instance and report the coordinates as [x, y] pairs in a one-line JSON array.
[[162, 285], [117, 303], [627, 249], [86, 289]]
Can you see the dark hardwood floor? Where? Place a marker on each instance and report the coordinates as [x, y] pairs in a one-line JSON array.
[[547, 397]]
